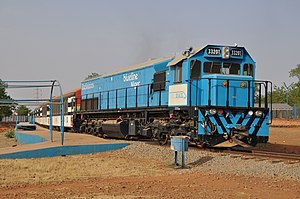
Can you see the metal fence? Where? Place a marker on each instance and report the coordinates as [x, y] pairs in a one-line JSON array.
[[14, 118], [293, 113]]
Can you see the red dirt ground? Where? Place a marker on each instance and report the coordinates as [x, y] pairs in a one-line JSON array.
[[177, 184], [198, 185]]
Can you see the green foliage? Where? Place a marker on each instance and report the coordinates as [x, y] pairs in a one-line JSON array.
[[281, 94], [293, 95], [296, 72], [4, 110], [22, 110], [10, 133]]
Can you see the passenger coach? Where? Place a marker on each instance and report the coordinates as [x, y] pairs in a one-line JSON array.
[[71, 102]]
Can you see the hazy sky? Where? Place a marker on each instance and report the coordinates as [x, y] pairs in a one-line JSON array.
[[69, 39]]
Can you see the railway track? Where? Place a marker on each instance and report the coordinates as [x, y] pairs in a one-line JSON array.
[[269, 154], [247, 153], [242, 152], [290, 157]]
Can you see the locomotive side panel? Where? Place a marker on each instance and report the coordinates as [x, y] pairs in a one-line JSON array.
[[130, 89]]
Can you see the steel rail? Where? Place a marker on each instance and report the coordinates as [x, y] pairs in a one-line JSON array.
[[253, 153], [270, 154], [260, 153]]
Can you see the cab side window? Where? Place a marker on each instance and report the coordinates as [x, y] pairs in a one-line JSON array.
[[248, 70], [159, 81], [178, 73], [195, 69]]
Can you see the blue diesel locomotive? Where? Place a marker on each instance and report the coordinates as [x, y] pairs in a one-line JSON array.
[[209, 94]]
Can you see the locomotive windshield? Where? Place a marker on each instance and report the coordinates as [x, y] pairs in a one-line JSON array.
[[227, 68], [212, 67], [231, 69]]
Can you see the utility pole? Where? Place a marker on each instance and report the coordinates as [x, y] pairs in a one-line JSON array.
[[38, 93], [287, 88]]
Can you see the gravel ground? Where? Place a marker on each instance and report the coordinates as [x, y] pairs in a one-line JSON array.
[[145, 170], [198, 160]]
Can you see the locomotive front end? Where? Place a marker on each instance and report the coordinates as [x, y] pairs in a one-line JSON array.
[[232, 105]]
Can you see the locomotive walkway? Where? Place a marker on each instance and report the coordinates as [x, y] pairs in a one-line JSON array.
[[74, 144]]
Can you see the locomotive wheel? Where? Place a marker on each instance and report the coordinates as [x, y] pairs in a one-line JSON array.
[[95, 131], [252, 141], [82, 129], [88, 131], [163, 139], [204, 145], [155, 133]]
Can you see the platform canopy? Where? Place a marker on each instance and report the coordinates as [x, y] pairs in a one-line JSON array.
[[24, 84]]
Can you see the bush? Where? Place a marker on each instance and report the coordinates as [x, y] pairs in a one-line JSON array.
[[10, 133]]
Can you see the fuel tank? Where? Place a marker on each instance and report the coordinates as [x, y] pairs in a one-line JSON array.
[[115, 129]]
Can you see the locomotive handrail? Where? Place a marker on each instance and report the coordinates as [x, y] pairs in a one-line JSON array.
[[108, 104], [148, 91], [215, 78], [266, 83]]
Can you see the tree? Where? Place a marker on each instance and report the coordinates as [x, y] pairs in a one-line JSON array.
[[279, 94], [294, 94], [296, 72], [5, 110], [22, 110]]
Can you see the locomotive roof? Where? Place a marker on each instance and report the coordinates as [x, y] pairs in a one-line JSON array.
[[150, 62], [181, 57]]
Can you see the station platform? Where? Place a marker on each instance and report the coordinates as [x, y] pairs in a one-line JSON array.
[[74, 143]]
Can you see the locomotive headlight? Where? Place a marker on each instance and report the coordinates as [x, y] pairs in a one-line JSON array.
[[250, 113], [224, 84], [258, 113], [243, 85], [225, 54], [212, 111]]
